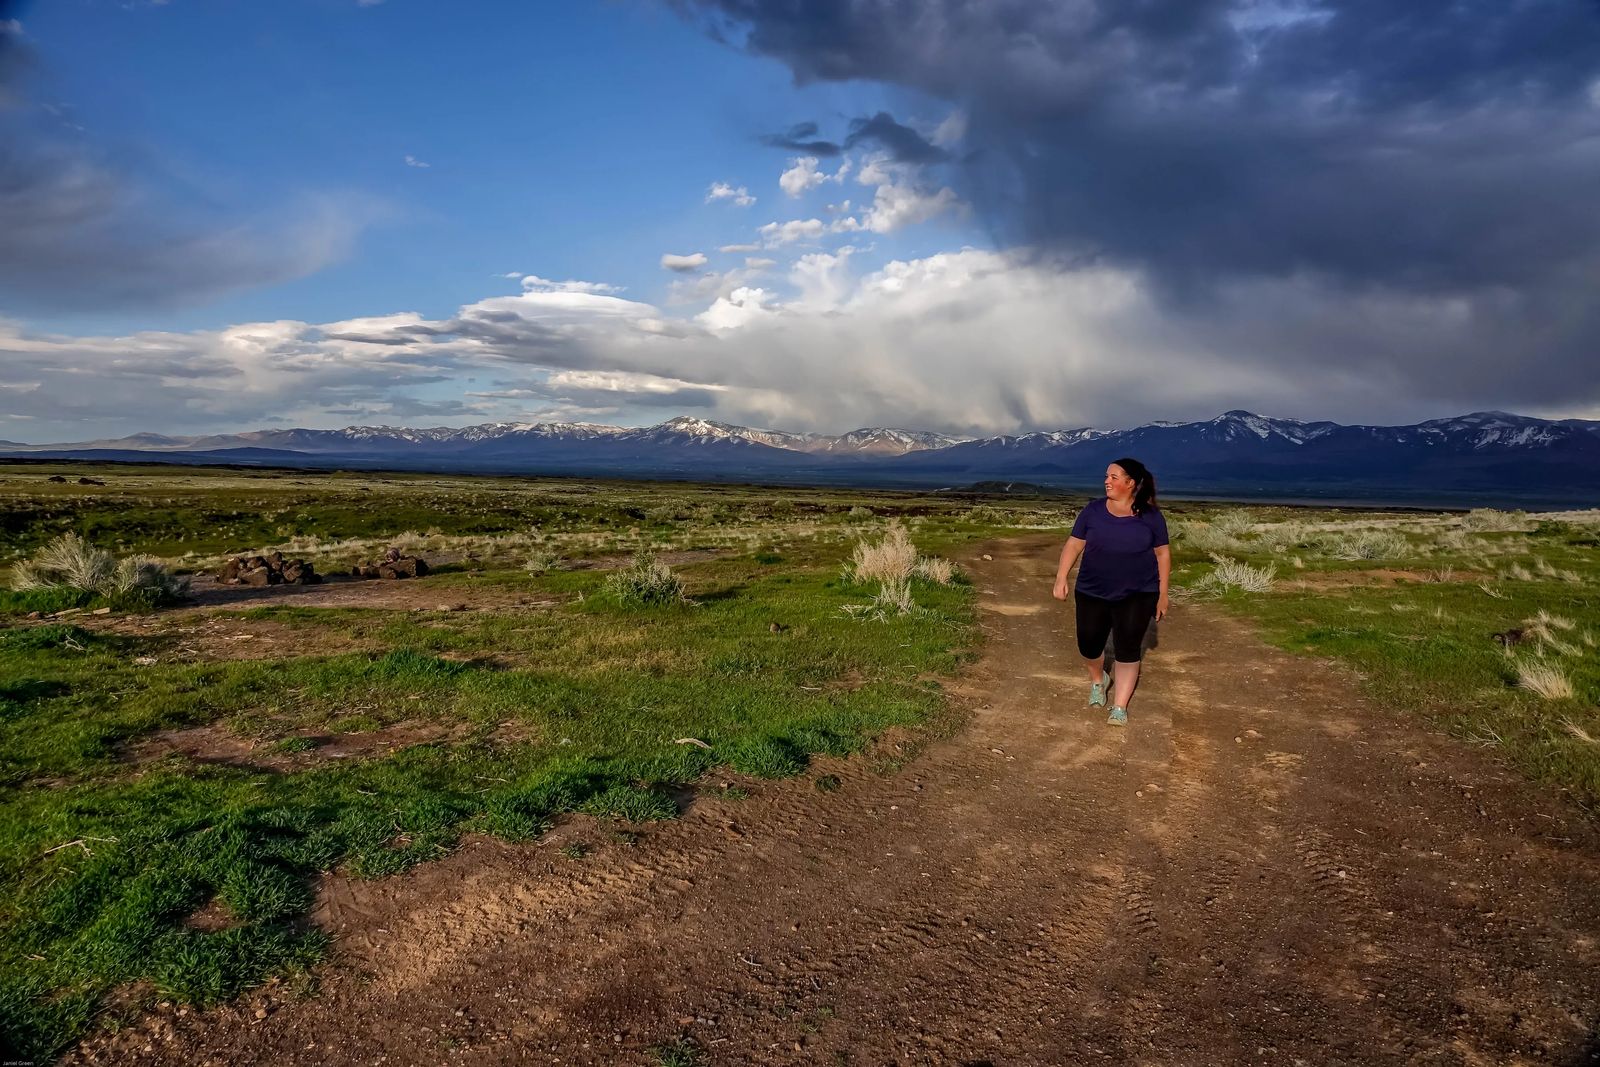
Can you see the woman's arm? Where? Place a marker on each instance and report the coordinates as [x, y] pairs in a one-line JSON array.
[[1069, 555], [1164, 569]]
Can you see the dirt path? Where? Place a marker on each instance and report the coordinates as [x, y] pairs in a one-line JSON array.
[[1264, 867]]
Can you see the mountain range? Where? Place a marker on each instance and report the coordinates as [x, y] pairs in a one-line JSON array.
[[1485, 457]]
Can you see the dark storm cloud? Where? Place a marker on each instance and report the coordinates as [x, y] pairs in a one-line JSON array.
[[802, 137], [903, 144], [1448, 149], [1447, 141]]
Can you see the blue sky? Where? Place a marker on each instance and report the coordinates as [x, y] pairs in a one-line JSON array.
[[975, 217], [564, 140]]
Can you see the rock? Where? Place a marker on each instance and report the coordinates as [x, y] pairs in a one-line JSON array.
[[57, 479], [404, 567], [987, 556], [229, 574], [34, 615], [258, 577], [90, 481], [101, 611]]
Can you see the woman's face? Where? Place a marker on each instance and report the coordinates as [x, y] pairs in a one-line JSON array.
[[1118, 485]]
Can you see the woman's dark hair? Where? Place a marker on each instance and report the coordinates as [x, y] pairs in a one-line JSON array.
[[1144, 484]]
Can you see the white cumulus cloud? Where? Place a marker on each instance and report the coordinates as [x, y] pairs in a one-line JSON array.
[[783, 233], [723, 191], [803, 175]]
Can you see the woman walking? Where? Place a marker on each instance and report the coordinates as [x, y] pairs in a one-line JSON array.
[[1122, 584]]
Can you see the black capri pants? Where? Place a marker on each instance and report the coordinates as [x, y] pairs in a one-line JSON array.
[[1125, 621]]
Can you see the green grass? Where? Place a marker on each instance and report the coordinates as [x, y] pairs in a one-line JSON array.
[[1426, 642], [573, 706]]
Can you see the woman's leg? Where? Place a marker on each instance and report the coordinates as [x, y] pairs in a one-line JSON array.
[[1094, 623], [1127, 679], [1130, 618]]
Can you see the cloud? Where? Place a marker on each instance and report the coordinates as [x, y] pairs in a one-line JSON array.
[[413, 161], [1386, 160], [740, 248], [782, 233], [536, 284], [723, 191], [902, 143], [902, 197], [803, 175], [759, 263], [739, 308], [683, 264], [803, 137], [968, 341]]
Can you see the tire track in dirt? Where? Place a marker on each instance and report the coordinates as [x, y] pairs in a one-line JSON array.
[[1264, 866]]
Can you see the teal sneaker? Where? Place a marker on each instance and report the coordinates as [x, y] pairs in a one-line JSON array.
[[1098, 691], [1118, 716]]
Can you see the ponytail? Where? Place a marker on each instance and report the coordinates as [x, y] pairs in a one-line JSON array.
[[1144, 484]]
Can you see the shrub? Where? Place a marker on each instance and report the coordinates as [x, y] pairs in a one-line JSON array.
[[70, 562], [1232, 574], [646, 583], [544, 561], [936, 570], [1235, 523], [1208, 539], [1492, 520], [1368, 544], [1281, 535], [892, 559]]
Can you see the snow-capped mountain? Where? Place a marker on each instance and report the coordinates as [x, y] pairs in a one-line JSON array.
[[1483, 453]]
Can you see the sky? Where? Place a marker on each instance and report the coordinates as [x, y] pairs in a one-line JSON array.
[[968, 216]]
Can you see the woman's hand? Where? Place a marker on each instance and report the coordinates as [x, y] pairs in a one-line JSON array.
[[1162, 606], [1060, 591]]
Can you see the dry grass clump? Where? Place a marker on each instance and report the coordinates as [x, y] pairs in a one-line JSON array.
[[892, 562], [894, 598], [893, 559], [1580, 733], [70, 561], [1492, 521], [1282, 535], [1235, 523], [1546, 679], [647, 582], [936, 570], [1203, 537], [1368, 544], [543, 561], [1233, 574]]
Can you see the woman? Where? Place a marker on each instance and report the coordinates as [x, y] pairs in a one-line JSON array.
[[1122, 584]]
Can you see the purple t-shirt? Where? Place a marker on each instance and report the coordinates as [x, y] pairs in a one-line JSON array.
[[1118, 554]]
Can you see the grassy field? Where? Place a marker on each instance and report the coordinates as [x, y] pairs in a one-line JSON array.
[[1485, 622], [135, 866], [174, 782]]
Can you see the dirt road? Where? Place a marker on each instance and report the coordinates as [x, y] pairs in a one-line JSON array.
[[1264, 867]]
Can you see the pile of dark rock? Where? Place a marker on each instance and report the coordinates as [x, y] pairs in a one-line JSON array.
[[394, 564], [267, 570]]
